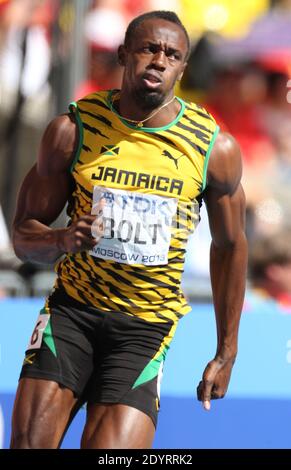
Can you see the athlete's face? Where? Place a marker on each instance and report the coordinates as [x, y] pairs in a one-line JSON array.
[[154, 61]]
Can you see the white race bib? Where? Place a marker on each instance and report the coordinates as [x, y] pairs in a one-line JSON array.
[[37, 334], [137, 227]]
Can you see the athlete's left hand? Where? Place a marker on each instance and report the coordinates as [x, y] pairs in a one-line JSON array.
[[215, 380]]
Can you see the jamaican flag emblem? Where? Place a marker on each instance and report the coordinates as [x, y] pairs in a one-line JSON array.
[[109, 150]]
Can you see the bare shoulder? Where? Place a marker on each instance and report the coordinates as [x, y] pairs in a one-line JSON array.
[[225, 164], [58, 145]]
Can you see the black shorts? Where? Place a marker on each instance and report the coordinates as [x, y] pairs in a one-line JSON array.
[[103, 357]]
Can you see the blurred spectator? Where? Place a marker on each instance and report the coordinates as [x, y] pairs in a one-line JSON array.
[[24, 90], [270, 194], [104, 31], [25, 23], [8, 259], [275, 110], [281, 5], [234, 98], [270, 270]]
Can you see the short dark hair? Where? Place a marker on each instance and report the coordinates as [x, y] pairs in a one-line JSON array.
[[159, 14]]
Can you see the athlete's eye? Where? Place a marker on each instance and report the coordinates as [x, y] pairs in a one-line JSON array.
[[148, 49], [173, 56]]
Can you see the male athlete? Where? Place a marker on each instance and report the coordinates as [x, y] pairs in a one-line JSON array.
[[133, 165]]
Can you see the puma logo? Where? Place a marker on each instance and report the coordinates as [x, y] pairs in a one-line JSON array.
[[175, 160]]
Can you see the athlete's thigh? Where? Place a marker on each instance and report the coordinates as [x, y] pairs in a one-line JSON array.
[[61, 347], [129, 369], [123, 397], [115, 426], [41, 413]]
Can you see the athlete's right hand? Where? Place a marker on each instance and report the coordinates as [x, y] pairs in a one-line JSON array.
[[78, 236]]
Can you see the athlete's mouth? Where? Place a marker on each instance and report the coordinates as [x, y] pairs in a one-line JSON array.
[[151, 80]]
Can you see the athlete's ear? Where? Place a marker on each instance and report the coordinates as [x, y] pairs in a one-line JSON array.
[[182, 71], [121, 55]]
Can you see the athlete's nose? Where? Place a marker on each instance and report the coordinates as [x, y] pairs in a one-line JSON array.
[[159, 60]]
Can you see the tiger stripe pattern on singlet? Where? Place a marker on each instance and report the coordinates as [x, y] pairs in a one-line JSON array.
[[151, 180]]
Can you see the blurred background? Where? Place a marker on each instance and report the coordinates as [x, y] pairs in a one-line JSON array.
[[56, 51]]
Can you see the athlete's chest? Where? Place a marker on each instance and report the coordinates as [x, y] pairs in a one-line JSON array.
[[148, 164]]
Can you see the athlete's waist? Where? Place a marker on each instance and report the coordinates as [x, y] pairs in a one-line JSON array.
[[92, 271], [64, 295]]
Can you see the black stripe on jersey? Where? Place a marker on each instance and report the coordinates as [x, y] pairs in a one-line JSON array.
[[70, 270], [99, 117], [59, 270], [192, 144], [206, 116], [144, 297], [123, 280], [77, 205], [92, 275], [183, 240], [114, 275], [200, 113], [155, 282], [82, 203], [94, 285], [120, 278], [108, 284], [181, 250], [177, 314], [197, 106], [92, 300], [177, 270], [94, 130], [159, 314], [163, 272], [80, 293], [199, 184], [171, 279], [196, 124], [122, 267], [199, 134], [163, 317], [85, 192], [78, 268], [118, 294], [180, 225], [94, 101], [167, 141], [179, 256], [71, 267], [180, 261], [86, 149]]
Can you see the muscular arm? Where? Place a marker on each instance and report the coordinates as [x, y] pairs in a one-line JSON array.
[[43, 195], [225, 203]]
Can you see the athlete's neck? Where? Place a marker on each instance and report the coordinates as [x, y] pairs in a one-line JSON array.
[[127, 107]]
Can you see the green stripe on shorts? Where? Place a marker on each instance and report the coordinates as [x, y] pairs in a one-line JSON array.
[[151, 370], [48, 338]]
